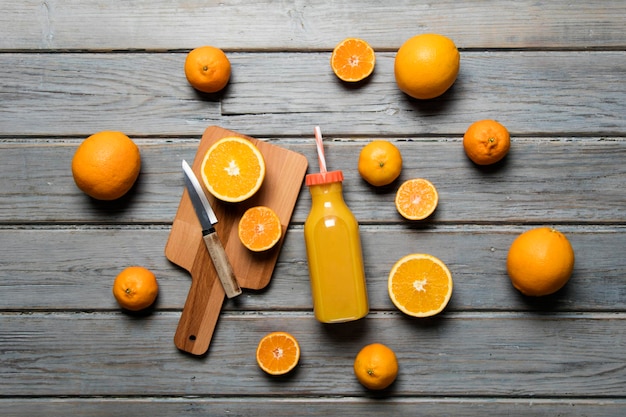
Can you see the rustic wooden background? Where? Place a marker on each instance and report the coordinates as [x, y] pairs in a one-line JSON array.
[[553, 72]]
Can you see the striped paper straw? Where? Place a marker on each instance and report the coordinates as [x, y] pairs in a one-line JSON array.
[[320, 149]]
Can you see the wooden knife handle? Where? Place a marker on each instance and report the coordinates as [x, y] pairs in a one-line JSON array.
[[222, 265]]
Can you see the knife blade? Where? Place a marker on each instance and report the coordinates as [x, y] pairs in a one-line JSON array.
[[207, 219]]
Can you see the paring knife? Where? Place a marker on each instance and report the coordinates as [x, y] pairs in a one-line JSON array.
[[211, 240]]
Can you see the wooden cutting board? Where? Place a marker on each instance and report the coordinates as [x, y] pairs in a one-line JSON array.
[[284, 175]]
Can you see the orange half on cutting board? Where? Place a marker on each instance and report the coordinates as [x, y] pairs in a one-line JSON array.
[[259, 228], [233, 169]]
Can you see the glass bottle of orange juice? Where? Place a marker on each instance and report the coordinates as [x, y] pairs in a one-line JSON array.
[[333, 246]]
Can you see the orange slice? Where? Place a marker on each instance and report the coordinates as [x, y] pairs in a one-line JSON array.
[[233, 169], [420, 285], [416, 199], [259, 228], [352, 60], [278, 353]]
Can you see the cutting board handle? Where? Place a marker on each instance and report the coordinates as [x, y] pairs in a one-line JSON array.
[[204, 301]]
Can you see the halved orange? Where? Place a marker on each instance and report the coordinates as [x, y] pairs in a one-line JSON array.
[[278, 353], [420, 285], [352, 60], [233, 169], [259, 228], [416, 199]]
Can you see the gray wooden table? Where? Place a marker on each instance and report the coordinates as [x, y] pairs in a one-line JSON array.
[[553, 72]]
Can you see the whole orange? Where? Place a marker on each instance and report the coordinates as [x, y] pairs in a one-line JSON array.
[[106, 165], [486, 142], [540, 261], [427, 65], [207, 69], [380, 162], [135, 288], [376, 366]]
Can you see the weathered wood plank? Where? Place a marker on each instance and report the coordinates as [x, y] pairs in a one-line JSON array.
[[552, 72], [542, 180], [533, 93], [288, 407], [566, 356], [98, 24], [75, 269]]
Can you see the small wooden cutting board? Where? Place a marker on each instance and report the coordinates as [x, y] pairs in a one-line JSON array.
[[284, 174]]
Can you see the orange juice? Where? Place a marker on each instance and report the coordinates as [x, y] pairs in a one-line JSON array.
[[334, 254]]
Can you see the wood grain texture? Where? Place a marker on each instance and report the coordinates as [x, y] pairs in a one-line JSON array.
[[222, 265], [201, 310], [284, 407], [532, 93], [560, 355], [476, 256], [552, 72], [544, 180], [99, 24]]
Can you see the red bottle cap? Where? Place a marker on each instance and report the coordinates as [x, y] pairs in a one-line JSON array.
[[324, 178]]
